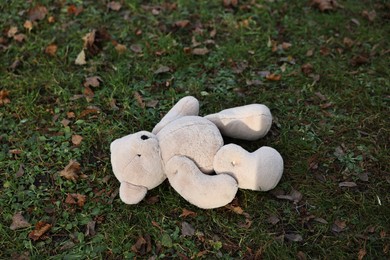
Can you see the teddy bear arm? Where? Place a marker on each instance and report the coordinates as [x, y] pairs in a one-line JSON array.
[[249, 122], [131, 194], [204, 191], [187, 106]]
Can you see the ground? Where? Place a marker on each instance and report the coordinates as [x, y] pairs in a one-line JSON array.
[[76, 75]]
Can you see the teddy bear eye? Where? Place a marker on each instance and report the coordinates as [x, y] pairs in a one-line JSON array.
[[144, 137], [138, 155]]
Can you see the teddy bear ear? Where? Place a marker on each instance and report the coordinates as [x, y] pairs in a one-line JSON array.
[[187, 106]]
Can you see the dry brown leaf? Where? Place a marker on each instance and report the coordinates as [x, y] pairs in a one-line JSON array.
[[65, 122], [273, 220], [213, 33], [200, 51], [273, 77], [187, 229], [162, 69], [307, 68], [38, 12], [136, 48], [76, 139], [112, 104], [151, 103], [325, 5], [70, 115], [40, 229], [76, 198], [80, 60], [51, 19], [20, 37], [362, 253], [74, 10], [293, 237], [230, 3], [348, 42], [28, 25], [152, 200], [339, 226], [70, 200], [348, 184], [369, 15], [89, 94], [89, 110], [359, 60], [4, 97], [310, 53], [18, 221], [182, 23], [235, 209], [142, 246], [20, 172], [93, 81], [90, 230], [70, 172], [115, 6], [286, 45], [139, 99], [12, 31], [120, 48], [187, 213], [51, 49]]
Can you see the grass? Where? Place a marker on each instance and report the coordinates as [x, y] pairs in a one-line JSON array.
[[330, 124]]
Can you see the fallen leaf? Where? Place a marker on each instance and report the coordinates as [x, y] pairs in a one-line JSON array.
[[89, 110], [20, 37], [113, 105], [40, 229], [12, 31], [324, 5], [294, 196], [76, 139], [310, 53], [230, 3], [273, 220], [51, 49], [28, 25], [136, 48], [90, 229], [22, 256], [115, 6], [301, 255], [18, 221], [20, 172], [324, 51], [348, 42], [76, 198], [213, 33], [120, 48], [74, 10], [339, 226], [321, 220], [151, 103], [286, 45], [182, 23], [363, 176], [152, 200], [139, 99], [162, 69], [70, 172], [93, 81], [359, 60], [235, 209], [142, 246], [293, 237], [369, 15], [187, 229], [38, 12], [200, 51], [51, 19], [89, 94], [65, 122], [4, 97], [348, 184], [273, 77], [307, 68], [187, 213], [362, 253], [80, 60]]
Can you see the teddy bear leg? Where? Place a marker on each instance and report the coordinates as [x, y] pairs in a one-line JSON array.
[[260, 170], [187, 106], [204, 191], [248, 122], [130, 193]]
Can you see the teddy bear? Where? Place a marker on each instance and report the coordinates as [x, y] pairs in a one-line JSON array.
[[189, 150]]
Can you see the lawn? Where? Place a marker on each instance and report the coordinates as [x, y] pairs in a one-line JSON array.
[[75, 75]]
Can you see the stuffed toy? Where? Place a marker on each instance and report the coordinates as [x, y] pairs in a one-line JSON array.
[[189, 151]]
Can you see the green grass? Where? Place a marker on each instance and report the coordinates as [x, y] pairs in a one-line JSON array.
[[335, 129]]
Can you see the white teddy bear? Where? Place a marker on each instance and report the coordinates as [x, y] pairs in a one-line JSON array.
[[187, 148]]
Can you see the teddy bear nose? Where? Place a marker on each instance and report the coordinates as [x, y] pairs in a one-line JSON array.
[[144, 137]]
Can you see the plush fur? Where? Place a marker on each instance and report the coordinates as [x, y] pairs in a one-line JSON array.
[[187, 149]]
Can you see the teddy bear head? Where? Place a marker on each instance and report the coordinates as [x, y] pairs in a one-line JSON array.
[[136, 160]]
